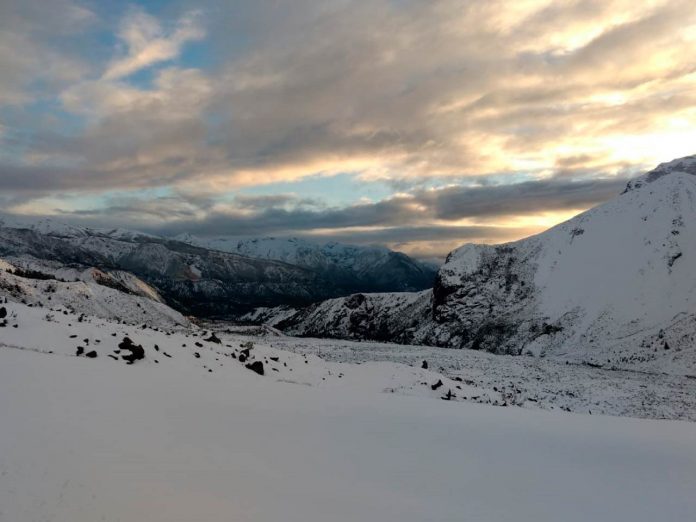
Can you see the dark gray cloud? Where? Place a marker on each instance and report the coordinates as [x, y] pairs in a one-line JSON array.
[[389, 220], [418, 234], [530, 197]]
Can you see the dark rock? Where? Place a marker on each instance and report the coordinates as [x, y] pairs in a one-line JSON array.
[[80, 351], [424, 365], [256, 366], [673, 258], [91, 354], [137, 352], [213, 339], [436, 385]]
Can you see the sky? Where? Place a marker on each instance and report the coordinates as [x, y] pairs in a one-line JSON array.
[[420, 125]]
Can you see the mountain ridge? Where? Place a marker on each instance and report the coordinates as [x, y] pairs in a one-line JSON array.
[[375, 267], [198, 280]]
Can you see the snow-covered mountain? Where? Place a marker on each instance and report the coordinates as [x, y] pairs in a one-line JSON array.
[[191, 279], [361, 268], [614, 286], [211, 282]]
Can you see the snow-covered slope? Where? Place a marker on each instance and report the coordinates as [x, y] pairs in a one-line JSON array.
[[359, 268], [614, 286], [617, 281], [389, 317], [189, 432], [120, 297]]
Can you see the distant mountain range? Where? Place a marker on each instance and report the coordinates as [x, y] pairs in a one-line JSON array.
[[376, 269], [208, 281]]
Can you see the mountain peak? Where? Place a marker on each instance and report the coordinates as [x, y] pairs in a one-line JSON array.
[[685, 165]]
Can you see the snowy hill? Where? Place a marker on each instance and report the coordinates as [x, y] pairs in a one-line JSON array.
[[614, 286], [118, 296], [360, 268]]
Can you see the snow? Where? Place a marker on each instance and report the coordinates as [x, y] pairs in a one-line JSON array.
[[527, 382], [86, 296], [296, 251], [195, 271], [617, 262], [57, 228], [96, 439]]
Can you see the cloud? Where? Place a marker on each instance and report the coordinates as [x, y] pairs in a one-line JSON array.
[[520, 198], [147, 43], [31, 64], [408, 221]]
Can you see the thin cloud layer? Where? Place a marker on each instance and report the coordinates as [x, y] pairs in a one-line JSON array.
[[108, 99]]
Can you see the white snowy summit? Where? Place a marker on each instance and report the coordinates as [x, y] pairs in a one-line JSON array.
[[614, 286]]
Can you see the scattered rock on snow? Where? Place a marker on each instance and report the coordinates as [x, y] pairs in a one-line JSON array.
[[213, 339], [136, 351], [256, 366]]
